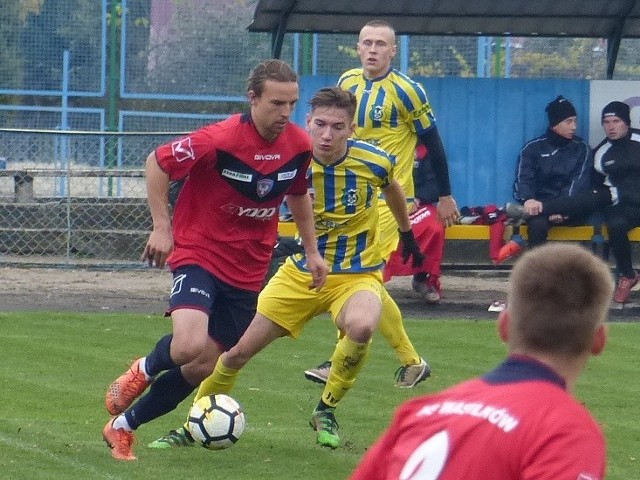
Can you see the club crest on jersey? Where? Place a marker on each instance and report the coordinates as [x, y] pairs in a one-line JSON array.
[[350, 197], [264, 186], [377, 113], [182, 150]]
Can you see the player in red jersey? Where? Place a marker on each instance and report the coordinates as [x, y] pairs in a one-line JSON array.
[[219, 247], [520, 420]]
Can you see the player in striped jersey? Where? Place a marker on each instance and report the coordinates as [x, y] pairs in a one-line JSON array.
[[394, 113], [345, 176]]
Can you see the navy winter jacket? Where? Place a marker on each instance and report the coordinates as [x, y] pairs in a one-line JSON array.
[[550, 166]]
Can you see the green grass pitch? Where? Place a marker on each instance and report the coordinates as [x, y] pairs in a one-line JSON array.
[[55, 367]]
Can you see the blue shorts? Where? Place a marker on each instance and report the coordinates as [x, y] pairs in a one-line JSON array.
[[230, 309]]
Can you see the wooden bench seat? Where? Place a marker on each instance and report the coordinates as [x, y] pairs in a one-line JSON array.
[[582, 233]]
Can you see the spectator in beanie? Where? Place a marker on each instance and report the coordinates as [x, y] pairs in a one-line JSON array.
[[555, 164], [616, 190], [617, 161]]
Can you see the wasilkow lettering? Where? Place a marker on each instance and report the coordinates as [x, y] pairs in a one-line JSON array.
[[499, 417], [241, 177], [266, 156], [252, 212]]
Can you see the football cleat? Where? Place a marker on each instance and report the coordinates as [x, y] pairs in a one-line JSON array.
[[119, 441], [325, 424], [125, 389], [175, 438], [408, 376]]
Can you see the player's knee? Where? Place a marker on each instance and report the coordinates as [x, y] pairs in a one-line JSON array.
[[360, 331], [185, 351]]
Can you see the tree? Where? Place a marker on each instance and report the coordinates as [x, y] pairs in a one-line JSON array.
[[10, 59]]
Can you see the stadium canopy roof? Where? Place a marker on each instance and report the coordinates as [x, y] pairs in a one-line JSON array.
[[610, 19]]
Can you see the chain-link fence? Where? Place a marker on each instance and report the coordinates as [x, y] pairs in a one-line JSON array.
[[74, 198]]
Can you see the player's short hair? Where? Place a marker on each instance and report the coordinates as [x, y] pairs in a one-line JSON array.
[[558, 295], [276, 70], [381, 23], [334, 97]]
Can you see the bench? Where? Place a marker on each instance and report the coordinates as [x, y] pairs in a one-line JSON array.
[[583, 233], [597, 236]]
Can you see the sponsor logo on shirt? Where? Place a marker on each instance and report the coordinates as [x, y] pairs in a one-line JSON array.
[[241, 177], [264, 186], [182, 150], [266, 156], [251, 212], [287, 175]]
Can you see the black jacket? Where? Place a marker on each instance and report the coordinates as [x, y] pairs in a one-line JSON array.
[[617, 163], [550, 166]]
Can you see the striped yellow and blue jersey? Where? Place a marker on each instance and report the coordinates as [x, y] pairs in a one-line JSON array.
[[345, 207], [392, 111]]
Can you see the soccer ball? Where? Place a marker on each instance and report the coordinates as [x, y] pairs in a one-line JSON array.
[[216, 421]]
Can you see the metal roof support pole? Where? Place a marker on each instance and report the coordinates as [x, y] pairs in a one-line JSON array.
[[613, 45], [277, 36], [613, 41]]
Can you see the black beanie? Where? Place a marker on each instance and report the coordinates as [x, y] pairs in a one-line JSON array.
[[559, 110], [617, 109]]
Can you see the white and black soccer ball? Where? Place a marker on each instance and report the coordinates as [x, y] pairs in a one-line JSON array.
[[216, 421]]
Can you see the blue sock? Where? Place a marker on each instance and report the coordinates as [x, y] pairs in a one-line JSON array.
[[159, 359], [165, 394]]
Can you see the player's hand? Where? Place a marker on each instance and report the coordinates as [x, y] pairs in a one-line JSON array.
[[532, 207], [557, 218], [410, 249], [318, 269], [448, 210], [158, 248]]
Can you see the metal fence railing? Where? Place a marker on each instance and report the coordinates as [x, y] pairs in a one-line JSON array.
[[74, 198]]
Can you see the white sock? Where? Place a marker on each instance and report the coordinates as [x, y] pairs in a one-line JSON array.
[[120, 422], [143, 368]]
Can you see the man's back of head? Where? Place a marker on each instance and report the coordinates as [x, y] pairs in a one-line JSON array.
[[559, 295]]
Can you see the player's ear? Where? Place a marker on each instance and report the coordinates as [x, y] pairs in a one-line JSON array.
[[503, 325], [251, 95], [600, 339], [308, 122]]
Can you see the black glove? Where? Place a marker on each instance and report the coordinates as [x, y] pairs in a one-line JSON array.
[[410, 249]]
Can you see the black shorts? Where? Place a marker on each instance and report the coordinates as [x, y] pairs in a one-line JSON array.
[[230, 309]]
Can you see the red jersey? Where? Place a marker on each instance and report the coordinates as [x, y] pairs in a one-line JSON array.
[[226, 216], [517, 422]]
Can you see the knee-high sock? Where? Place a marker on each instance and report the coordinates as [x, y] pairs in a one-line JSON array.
[[347, 360], [164, 395], [160, 357], [392, 329], [221, 380]]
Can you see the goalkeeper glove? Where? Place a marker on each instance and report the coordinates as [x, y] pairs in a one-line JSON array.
[[410, 249]]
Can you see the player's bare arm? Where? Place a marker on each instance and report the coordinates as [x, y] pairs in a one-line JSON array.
[[160, 243], [302, 212]]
